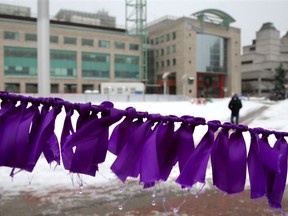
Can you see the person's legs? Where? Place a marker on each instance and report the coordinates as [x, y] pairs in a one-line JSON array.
[[237, 118], [232, 118]]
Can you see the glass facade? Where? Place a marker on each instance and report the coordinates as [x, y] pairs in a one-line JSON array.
[[63, 63], [20, 61], [126, 67], [211, 53], [95, 65]]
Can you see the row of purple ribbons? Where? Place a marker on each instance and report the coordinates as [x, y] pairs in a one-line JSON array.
[[146, 145]]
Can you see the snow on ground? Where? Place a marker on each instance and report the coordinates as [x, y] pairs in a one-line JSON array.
[[47, 176]]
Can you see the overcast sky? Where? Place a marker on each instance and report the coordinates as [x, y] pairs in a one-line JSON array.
[[249, 14]]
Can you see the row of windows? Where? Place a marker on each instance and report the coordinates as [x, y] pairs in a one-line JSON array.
[[23, 62], [8, 35], [68, 88], [33, 87], [162, 51], [163, 38], [168, 63]]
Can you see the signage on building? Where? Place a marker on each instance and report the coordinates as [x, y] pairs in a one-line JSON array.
[[191, 26]]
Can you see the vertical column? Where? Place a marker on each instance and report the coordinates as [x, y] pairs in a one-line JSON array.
[[43, 55]]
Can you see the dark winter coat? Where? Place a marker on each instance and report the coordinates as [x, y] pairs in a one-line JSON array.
[[235, 105]]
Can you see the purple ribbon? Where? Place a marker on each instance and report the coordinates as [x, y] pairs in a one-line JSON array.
[[195, 169], [42, 138], [184, 141], [166, 148], [122, 132], [147, 148], [276, 181], [220, 160], [127, 163], [90, 139], [15, 124]]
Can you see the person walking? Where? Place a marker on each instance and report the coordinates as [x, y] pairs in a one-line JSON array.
[[235, 105]]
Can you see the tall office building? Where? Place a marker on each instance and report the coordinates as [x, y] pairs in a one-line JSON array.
[[195, 56]]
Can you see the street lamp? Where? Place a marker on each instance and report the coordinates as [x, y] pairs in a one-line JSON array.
[[165, 78]]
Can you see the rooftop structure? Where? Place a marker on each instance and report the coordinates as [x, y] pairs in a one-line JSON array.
[[15, 10], [101, 18]]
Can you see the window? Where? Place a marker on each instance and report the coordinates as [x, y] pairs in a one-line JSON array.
[[133, 47], [104, 43], [20, 61], [70, 88], [162, 52], [54, 88], [174, 61], [174, 35], [162, 39], [12, 87], [247, 62], [157, 65], [168, 37], [70, 40], [31, 88], [119, 45], [54, 39], [168, 63], [211, 53], [156, 53], [156, 40], [86, 87], [87, 42], [126, 67], [167, 50], [162, 64], [174, 48], [152, 41], [11, 35], [95, 65], [30, 37], [63, 63]]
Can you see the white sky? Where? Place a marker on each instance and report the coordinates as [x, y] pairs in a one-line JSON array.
[[249, 14]]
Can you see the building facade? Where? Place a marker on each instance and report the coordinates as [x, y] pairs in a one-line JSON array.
[[81, 55], [260, 60], [186, 56], [196, 57]]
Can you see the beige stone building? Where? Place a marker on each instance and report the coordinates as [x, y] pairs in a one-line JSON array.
[[81, 55], [196, 56], [261, 59], [187, 56]]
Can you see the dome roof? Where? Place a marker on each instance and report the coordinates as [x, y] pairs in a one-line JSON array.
[[268, 26]]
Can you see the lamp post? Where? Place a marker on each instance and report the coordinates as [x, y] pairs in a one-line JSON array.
[[165, 79]]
